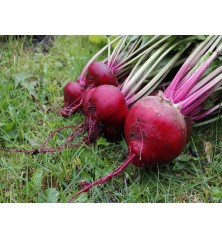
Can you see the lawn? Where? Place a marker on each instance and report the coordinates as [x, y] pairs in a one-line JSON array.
[[31, 94]]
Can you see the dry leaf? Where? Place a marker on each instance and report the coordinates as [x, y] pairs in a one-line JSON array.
[[208, 148]]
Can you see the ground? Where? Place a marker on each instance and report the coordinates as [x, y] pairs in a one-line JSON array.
[[31, 93]]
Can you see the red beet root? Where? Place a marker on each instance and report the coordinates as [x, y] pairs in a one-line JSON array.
[[99, 74], [155, 131], [107, 104], [104, 106], [73, 92]]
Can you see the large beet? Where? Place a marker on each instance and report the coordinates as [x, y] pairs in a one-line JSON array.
[[155, 131]]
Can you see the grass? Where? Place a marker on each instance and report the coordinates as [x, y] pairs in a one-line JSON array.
[[31, 93]]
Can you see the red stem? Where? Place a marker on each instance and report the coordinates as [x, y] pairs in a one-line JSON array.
[[50, 150], [105, 178], [71, 109], [181, 93], [44, 150], [204, 114], [18, 150], [57, 130]]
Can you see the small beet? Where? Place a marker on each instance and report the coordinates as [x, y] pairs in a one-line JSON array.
[[106, 104], [99, 74], [100, 109], [73, 93]]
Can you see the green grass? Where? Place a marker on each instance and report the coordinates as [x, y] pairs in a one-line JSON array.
[[31, 93]]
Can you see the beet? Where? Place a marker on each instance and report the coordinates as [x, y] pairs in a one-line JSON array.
[[73, 92], [99, 74], [104, 106], [155, 131], [107, 104]]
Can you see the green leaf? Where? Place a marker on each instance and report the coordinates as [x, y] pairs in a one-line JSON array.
[[36, 180], [8, 127], [30, 87], [147, 38], [19, 78], [33, 142], [2, 124], [111, 38], [214, 65], [25, 81], [202, 37], [102, 141], [13, 113], [83, 198], [52, 195], [216, 193], [98, 39], [184, 158]]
